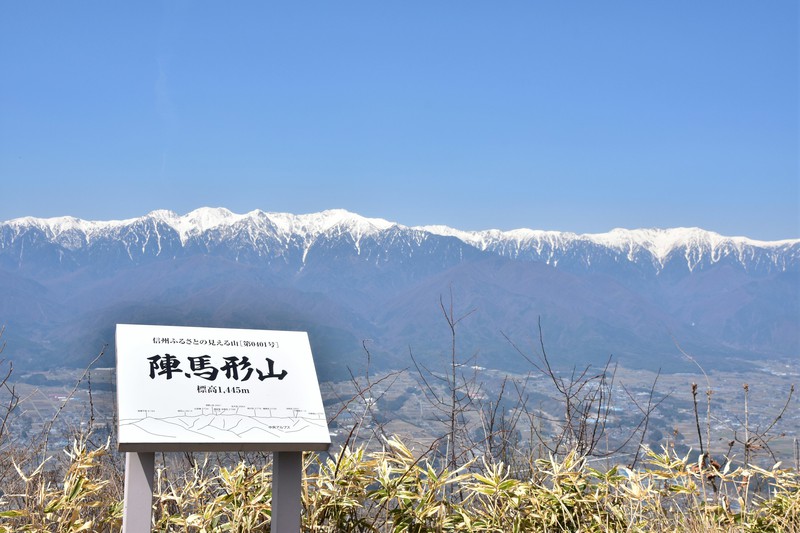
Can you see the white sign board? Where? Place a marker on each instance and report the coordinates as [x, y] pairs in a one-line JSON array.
[[211, 389]]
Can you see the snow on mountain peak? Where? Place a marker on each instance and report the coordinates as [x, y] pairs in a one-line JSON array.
[[657, 246], [332, 218], [659, 242], [695, 243], [485, 239], [314, 224], [65, 229], [203, 219]]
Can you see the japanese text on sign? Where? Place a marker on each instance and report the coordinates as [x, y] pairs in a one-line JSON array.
[[187, 341], [234, 368]]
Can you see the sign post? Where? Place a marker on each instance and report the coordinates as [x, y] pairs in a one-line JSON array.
[[211, 389], [287, 475], [137, 510]]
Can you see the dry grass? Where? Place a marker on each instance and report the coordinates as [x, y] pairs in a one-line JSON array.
[[392, 488], [396, 490]]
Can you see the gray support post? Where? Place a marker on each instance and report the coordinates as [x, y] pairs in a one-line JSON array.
[[137, 510], [287, 476]]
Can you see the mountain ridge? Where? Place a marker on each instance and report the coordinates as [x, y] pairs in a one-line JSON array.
[[654, 246], [345, 278]]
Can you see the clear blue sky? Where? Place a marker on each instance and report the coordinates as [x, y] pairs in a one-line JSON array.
[[577, 116]]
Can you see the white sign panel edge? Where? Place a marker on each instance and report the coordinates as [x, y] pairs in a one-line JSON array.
[[217, 389]]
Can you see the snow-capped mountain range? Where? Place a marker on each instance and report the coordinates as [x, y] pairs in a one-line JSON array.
[[346, 278], [264, 233]]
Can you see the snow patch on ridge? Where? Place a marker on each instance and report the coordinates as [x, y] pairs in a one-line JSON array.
[[200, 221], [314, 224], [656, 246], [660, 244], [311, 227], [67, 231]]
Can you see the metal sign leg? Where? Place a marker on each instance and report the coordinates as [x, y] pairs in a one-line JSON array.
[[137, 510], [287, 474]]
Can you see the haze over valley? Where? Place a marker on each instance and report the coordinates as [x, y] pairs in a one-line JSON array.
[[640, 295]]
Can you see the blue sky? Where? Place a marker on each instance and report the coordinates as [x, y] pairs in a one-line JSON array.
[[576, 116]]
